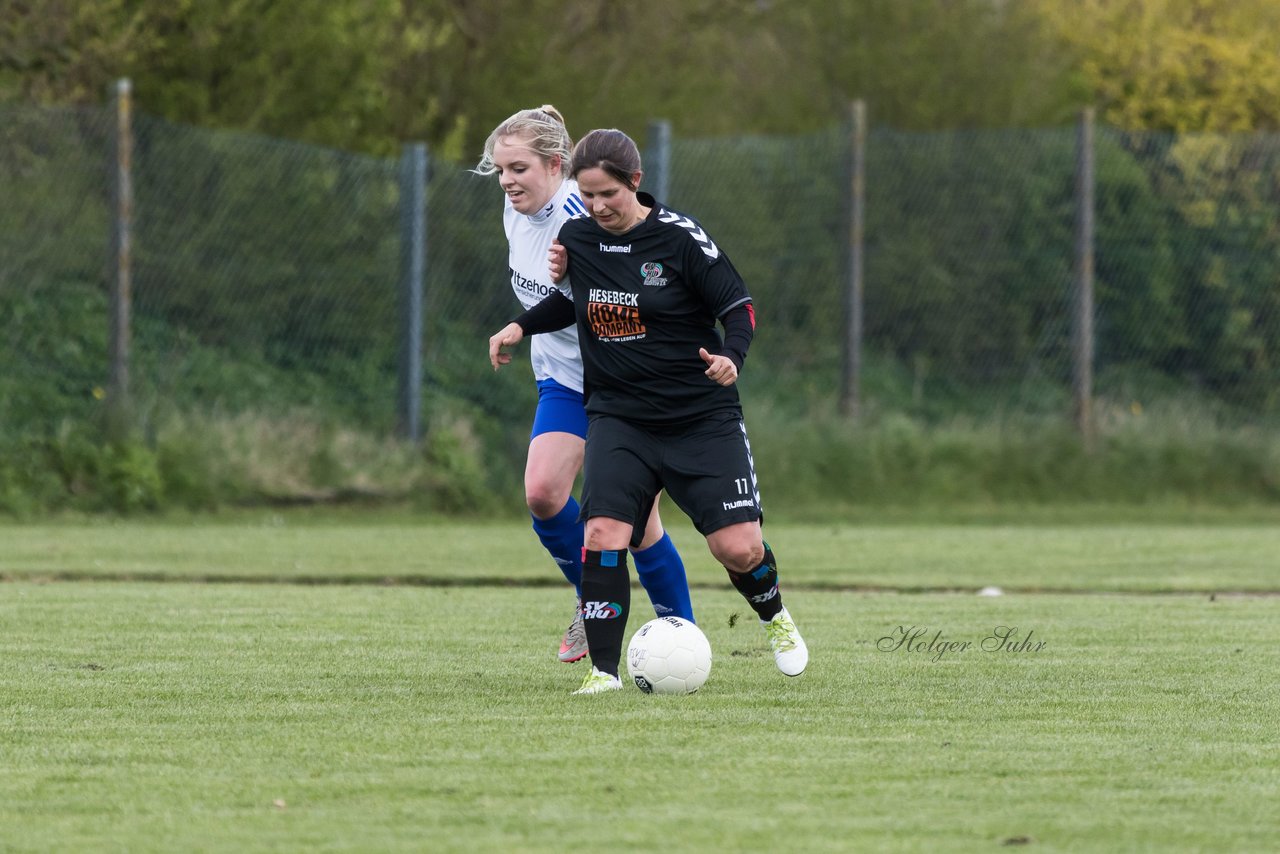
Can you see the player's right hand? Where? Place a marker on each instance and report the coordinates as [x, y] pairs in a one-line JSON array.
[[511, 335], [557, 260], [720, 369]]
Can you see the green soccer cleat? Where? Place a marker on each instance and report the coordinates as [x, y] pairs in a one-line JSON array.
[[599, 682], [789, 650]]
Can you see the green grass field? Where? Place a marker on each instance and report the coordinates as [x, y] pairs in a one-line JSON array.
[[394, 688]]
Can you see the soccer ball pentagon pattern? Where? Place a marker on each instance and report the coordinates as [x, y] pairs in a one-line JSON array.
[[669, 655]]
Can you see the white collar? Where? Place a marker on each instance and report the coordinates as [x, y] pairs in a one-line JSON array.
[[546, 212]]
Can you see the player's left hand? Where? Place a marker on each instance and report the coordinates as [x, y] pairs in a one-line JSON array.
[[720, 369]]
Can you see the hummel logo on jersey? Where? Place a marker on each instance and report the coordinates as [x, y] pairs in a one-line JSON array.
[[605, 247], [708, 247], [601, 610]]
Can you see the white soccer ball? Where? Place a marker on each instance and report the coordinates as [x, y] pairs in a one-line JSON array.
[[669, 655]]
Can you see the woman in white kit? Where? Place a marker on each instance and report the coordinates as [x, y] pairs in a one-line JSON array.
[[529, 152]]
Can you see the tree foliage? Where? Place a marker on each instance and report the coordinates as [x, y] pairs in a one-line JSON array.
[[1176, 65], [370, 74], [66, 51]]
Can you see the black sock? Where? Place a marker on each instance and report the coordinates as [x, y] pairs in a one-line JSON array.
[[606, 598], [760, 586]]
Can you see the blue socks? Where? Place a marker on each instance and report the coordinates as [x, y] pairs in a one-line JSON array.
[[659, 567], [662, 576], [562, 535]]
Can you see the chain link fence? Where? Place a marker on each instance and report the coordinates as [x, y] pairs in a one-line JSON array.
[[267, 274]]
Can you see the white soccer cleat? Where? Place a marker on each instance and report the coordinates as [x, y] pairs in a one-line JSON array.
[[573, 646], [599, 682], [789, 650]]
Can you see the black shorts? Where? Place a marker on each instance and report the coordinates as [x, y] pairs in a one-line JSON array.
[[705, 467]]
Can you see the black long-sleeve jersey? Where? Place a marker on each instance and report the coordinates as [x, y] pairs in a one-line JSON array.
[[645, 302]]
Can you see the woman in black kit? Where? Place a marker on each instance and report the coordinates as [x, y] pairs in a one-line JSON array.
[[648, 286]]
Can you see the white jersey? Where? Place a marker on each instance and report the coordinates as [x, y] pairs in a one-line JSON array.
[[555, 355]]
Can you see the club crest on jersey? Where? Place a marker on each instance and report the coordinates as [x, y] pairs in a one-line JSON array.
[[652, 272]]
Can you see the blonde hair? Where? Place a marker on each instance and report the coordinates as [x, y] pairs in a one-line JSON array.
[[542, 129]]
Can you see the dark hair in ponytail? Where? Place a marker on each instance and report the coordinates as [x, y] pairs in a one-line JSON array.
[[610, 150]]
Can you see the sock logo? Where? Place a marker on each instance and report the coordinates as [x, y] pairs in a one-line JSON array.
[[601, 610], [765, 597], [662, 610]]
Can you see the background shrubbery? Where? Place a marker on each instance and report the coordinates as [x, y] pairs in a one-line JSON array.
[[818, 465], [265, 331], [267, 319]]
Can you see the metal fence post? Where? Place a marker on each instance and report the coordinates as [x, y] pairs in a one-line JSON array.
[[851, 379], [657, 167], [1082, 343], [118, 418], [413, 265]]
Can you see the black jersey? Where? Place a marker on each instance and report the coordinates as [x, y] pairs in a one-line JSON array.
[[645, 301]]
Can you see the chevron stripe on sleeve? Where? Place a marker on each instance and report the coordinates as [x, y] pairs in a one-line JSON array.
[[707, 245]]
